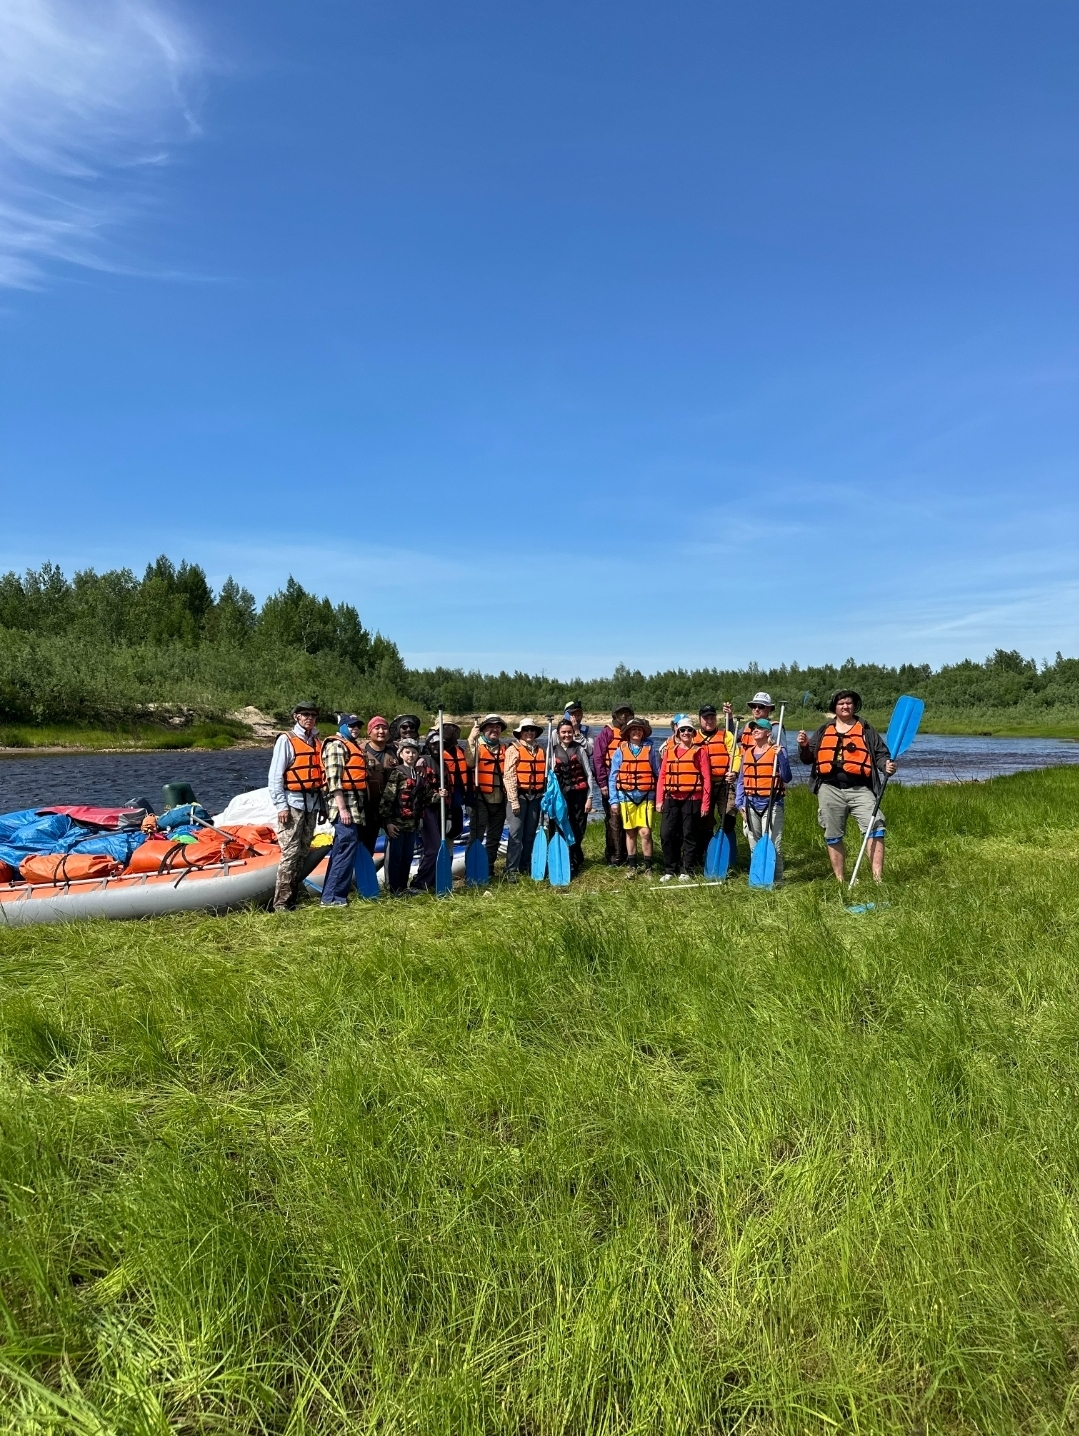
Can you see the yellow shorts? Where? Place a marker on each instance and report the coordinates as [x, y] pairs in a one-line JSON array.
[[638, 815]]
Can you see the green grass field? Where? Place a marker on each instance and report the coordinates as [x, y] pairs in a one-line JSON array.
[[213, 733], [612, 1160]]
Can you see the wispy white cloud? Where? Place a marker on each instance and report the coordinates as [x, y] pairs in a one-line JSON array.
[[92, 92]]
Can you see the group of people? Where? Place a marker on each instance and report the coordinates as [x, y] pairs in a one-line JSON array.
[[700, 780]]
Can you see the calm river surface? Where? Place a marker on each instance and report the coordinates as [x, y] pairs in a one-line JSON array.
[[115, 778]]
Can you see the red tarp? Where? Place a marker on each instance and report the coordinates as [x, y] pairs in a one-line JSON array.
[[97, 817]]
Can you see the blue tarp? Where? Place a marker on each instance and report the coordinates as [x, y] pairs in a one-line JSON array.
[[25, 833]]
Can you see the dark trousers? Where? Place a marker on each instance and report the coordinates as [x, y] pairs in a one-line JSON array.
[[399, 852], [431, 839], [488, 820], [615, 839], [338, 882], [578, 819], [523, 825], [369, 831], [719, 805], [678, 829]]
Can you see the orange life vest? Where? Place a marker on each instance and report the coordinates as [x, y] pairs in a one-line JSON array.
[[531, 769], [757, 773], [304, 774], [844, 753], [682, 778], [635, 774], [354, 772], [489, 766], [456, 764], [616, 738], [719, 758]]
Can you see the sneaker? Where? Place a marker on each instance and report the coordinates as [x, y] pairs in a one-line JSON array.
[[335, 902], [683, 877], [667, 878]]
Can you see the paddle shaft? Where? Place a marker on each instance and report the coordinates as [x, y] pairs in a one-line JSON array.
[[775, 772], [441, 779], [868, 830]]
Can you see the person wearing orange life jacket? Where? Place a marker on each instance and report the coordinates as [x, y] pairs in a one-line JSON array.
[[849, 759], [487, 756], [684, 795], [526, 778], [762, 760], [724, 758], [632, 787], [345, 765], [761, 705], [296, 791], [569, 757], [603, 750]]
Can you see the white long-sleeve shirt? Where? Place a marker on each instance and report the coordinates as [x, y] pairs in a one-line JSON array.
[[282, 756]]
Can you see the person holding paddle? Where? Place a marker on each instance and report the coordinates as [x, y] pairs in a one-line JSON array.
[[762, 782], [603, 750], [724, 759], [487, 754], [849, 760]]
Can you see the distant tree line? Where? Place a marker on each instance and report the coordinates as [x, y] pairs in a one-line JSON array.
[[111, 646], [1005, 680]]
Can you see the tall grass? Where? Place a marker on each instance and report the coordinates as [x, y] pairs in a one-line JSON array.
[[615, 1160]]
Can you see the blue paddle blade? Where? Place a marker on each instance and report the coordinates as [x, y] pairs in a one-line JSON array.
[[903, 728], [762, 868], [315, 880], [477, 868], [558, 862], [363, 871], [539, 857], [711, 858], [726, 852], [443, 871]]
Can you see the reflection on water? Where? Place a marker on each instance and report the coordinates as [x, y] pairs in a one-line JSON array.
[[111, 779]]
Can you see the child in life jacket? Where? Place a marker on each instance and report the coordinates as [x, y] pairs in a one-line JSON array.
[[410, 789]]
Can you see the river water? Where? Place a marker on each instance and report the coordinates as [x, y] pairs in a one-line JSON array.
[[111, 779]]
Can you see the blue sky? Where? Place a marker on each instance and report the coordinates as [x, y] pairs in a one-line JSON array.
[[556, 336]]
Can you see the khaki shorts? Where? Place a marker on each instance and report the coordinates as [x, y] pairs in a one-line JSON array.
[[836, 805]]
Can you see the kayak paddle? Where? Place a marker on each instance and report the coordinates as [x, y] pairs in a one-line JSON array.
[[363, 871], [762, 867], [477, 866], [902, 731], [443, 867], [540, 845], [718, 857], [539, 854], [558, 861]]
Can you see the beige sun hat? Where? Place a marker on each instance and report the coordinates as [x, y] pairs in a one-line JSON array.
[[528, 723]]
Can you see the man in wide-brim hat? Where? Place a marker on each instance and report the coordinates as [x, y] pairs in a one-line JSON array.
[[606, 744], [487, 759], [526, 778], [849, 759]]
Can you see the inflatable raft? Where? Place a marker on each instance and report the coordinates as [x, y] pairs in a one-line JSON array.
[[209, 889]]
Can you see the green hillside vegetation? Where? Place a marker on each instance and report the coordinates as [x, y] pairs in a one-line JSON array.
[[614, 1160], [112, 656]]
